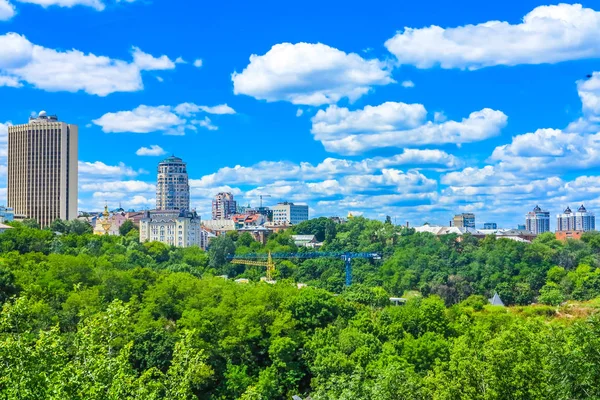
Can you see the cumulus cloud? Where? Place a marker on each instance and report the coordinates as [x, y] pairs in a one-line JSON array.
[[309, 74], [131, 186], [547, 34], [98, 170], [397, 125], [198, 63], [95, 4], [72, 70], [167, 119], [153, 150], [408, 84], [7, 10], [147, 62]]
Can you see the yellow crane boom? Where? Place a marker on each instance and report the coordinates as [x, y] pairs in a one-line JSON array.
[[269, 264]]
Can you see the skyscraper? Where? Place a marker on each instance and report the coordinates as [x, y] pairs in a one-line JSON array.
[[42, 169], [582, 220], [538, 221], [172, 186], [223, 206]]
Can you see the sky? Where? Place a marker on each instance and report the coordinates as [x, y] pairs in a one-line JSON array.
[[416, 110]]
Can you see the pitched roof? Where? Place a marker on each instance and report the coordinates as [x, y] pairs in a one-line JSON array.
[[496, 300]]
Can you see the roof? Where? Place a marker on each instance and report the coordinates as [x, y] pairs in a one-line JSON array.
[[2, 226], [171, 159], [303, 238], [496, 300]]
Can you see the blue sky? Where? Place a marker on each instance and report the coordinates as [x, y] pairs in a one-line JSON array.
[[413, 110]]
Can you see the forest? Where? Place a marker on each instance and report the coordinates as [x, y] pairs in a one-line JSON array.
[[107, 317]]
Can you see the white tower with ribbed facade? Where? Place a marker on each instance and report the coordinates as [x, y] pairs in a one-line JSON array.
[[42, 169], [172, 185]]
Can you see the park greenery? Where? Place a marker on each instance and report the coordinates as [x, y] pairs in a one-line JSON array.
[[107, 317]]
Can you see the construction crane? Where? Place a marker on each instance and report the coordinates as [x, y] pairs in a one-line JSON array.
[[268, 263], [347, 257], [261, 196]]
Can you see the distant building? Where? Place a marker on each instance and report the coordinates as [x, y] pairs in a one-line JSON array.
[[521, 227], [582, 220], [248, 220], [172, 186], [219, 227], [465, 220], [42, 169], [258, 233], [490, 225], [564, 235], [135, 217], [289, 213], [224, 206], [309, 241], [7, 214], [511, 234], [109, 223], [171, 227], [4, 228], [538, 221]]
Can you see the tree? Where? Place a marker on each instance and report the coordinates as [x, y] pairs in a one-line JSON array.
[[78, 227], [126, 227], [219, 249], [31, 223]]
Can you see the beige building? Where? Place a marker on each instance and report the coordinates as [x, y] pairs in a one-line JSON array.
[[172, 187], [172, 227], [42, 169], [223, 206]]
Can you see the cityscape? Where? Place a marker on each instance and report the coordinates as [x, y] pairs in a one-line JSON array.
[[42, 185], [331, 200]]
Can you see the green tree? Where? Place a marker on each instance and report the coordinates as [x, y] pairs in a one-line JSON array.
[[126, 227]]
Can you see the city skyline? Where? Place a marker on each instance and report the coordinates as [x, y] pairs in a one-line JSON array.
[[385, 145]]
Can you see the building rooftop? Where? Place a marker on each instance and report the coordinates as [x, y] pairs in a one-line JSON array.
[[172, 159], [43, 117]]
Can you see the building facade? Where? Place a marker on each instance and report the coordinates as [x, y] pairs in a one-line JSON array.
[[537, 221], [109, 223], [465, 220], [582, 220], [172, 185], [224, 206], [42, 169], [172, 227], [289, 213], [490, 225]]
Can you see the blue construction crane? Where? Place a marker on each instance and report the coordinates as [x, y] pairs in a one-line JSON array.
[[347, 257]]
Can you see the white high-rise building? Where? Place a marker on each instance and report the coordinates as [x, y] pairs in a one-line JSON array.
[[42, 169], [582, 220], [289, 213], [538, 221], [172, 186], [223, 206]]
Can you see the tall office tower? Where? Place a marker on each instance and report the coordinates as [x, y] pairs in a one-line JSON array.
[[223, 206], [172, 186], [464, 221], [42, 169], [582, 220], [538, 221]]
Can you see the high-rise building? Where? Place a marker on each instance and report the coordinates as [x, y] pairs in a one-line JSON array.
[[172, 186], [42, 169], [582, 220], [538, 221], [490, 225], [466, 220], [224, 206], [289, 213]]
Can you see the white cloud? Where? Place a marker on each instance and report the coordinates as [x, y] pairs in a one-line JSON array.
[[548, 34], [71, 70], [153, 150], [309, 74], [299, 112], [589, 93], [10, 81], [98, 169], [170, 120], [198, 63], [147, 62], [408, 84], [180, 60], [472, 176], [118, 186], [95, 4], [7, 10], [4, 138], [398, 125]]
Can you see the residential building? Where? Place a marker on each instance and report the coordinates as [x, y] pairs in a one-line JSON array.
[[465, 220], [490, 225], [537, 221], [289, 213], [309, 241], [172, 186], [224, 206], [219, 226], [585, 221], [248, 220], [258, 233], [42, 169], [511, 234], [135, 217], [7, 214], [565, 221], [178, 228], [564, 235]]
